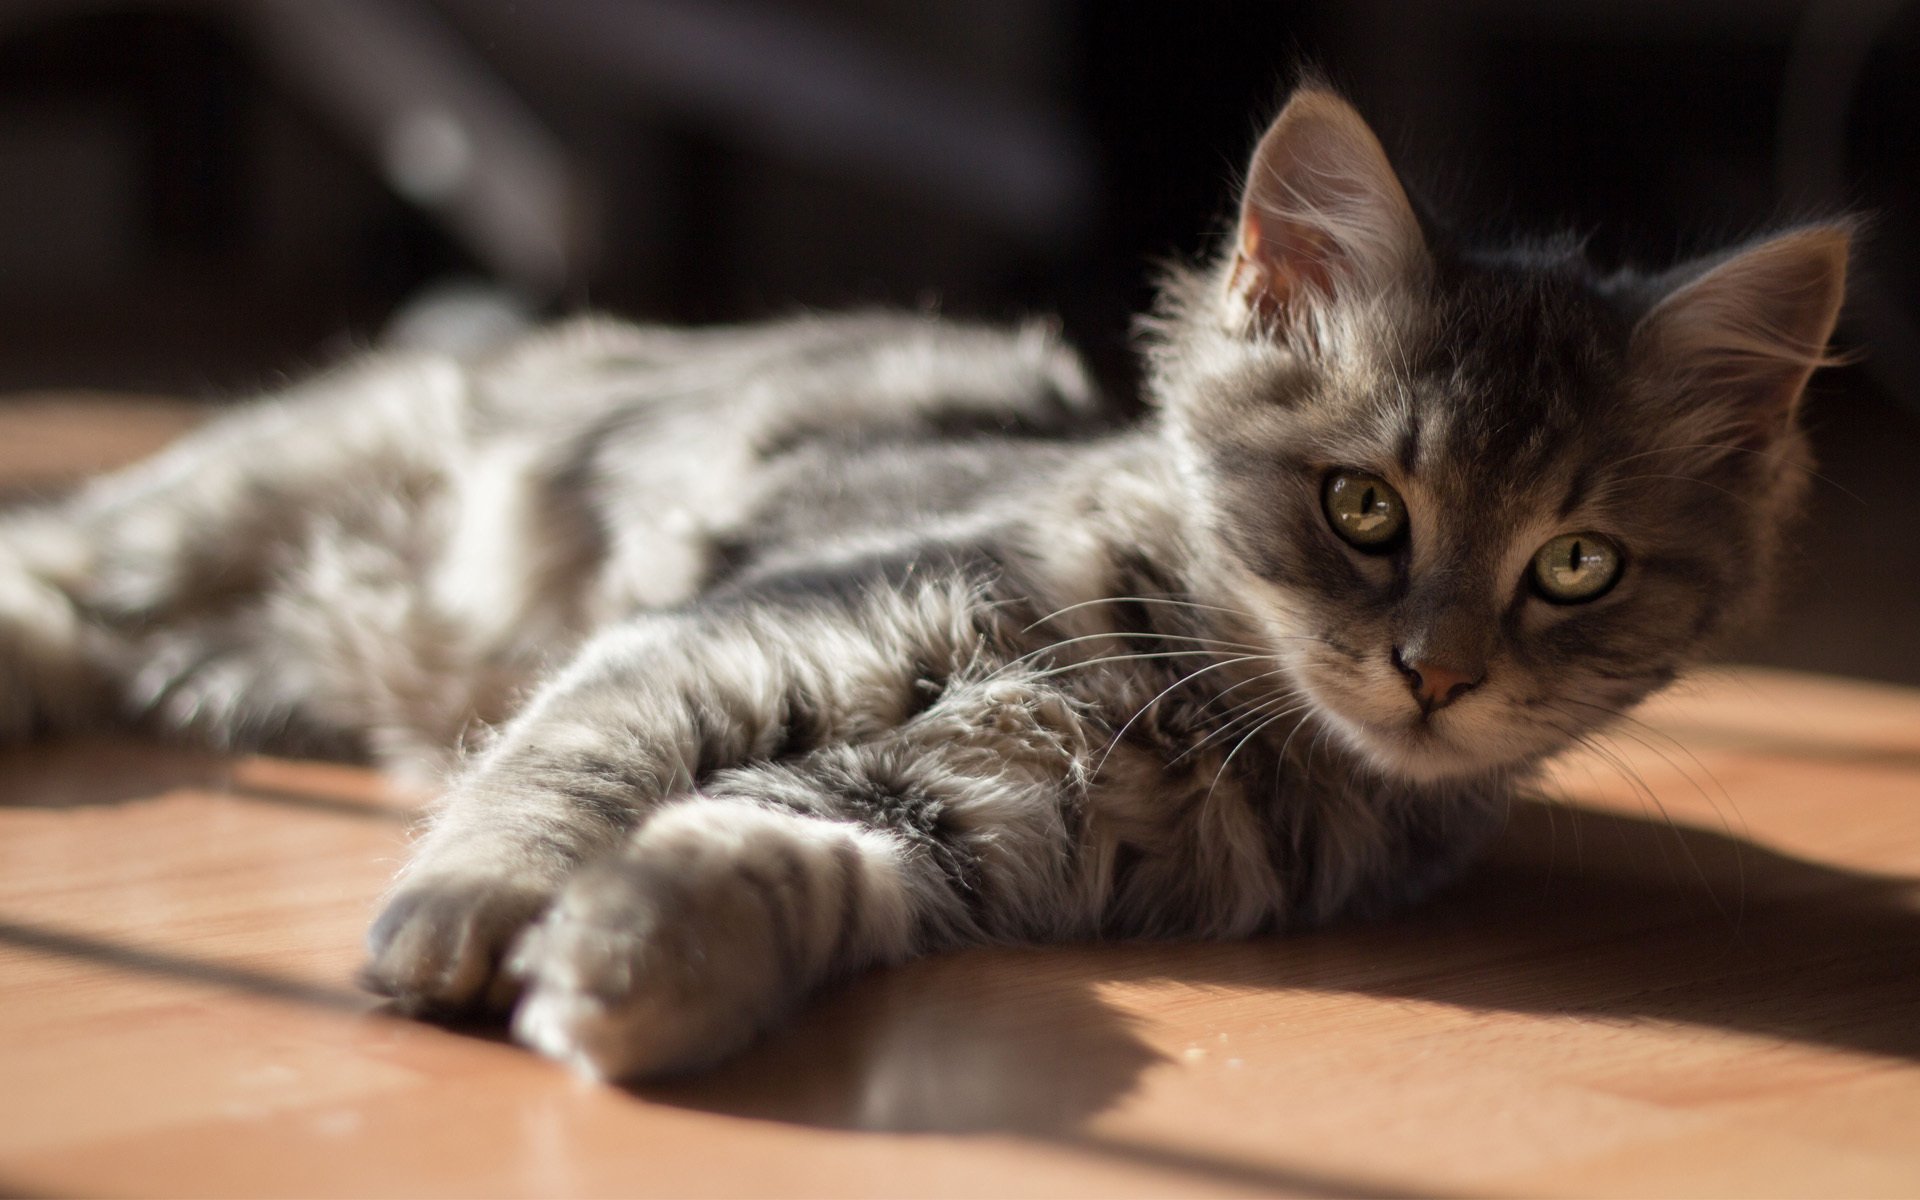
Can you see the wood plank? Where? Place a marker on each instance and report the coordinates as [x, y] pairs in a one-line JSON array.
[[49, 439]]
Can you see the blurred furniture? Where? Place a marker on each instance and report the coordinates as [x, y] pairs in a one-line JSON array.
[[191, 160]]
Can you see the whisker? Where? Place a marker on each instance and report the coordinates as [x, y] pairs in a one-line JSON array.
[[1733, 918], [1164, 637], [1205, 645], [1263, 652], [1555, 798], [1263, 708], [1295, 732], [1677, 744], [1240, 707], [1168, 600], [1613, 757], [1313, 747], [1225, 762], [1141, 711], [1237, 723], [1222, 693], [1113, 658], [1737, 837], [1632, 778]]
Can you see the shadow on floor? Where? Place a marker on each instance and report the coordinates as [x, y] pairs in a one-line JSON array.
[[107, 770], [179, 968], [1576, 912]]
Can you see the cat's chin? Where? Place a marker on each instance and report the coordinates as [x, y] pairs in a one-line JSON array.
[[1414, 750]]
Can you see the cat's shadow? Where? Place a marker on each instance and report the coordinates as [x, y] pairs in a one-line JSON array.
[[1576, 913]]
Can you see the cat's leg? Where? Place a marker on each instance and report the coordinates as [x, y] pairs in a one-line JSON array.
[[723, 911], [354, 566], [648, 711], [113, 596]]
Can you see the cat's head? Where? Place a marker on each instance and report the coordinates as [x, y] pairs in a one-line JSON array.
[[1480, 502]]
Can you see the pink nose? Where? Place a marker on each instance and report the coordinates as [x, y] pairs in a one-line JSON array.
[[1436, 685]]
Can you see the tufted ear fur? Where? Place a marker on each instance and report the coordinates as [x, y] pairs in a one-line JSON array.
[[1323, 218], [1738, 341]]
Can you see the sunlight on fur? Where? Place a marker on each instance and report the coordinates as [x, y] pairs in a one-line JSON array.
[[749, 658]]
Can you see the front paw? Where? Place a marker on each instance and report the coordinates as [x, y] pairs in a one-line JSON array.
[[437, 947], [651, 965]]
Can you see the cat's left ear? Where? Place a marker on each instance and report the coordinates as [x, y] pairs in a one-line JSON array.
[[1323, 219], [1740, 340]]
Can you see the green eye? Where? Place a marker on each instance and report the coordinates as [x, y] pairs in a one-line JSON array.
[[1363, 510], [1576, 567]]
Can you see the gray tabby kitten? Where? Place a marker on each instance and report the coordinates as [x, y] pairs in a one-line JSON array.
[[763, 656]]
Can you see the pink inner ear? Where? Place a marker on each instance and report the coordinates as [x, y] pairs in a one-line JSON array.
[[1269, 270], [1323, 217]]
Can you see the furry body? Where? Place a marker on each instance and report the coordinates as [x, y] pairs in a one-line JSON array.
[[759, 656]]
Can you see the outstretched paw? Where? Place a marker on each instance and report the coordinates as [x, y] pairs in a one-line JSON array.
[[647, 966], [437, 947]]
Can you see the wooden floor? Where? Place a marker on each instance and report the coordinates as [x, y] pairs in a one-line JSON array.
[[1697, 974], [1711, 989]]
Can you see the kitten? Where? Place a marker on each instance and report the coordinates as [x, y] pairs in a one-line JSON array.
[[762, 656]]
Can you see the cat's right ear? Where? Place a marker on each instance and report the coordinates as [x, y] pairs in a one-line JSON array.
[[1740, 338], [1323, 218]]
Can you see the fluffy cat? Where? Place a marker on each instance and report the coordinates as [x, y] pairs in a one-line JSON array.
[[761, 656]]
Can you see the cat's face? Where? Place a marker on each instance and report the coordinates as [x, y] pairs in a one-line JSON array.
[[1466, 565], [1481, 508]]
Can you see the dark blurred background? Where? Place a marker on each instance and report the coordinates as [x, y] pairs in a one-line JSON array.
[[204, 198]]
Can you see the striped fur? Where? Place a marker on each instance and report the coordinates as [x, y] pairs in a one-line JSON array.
[[750, 658]]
